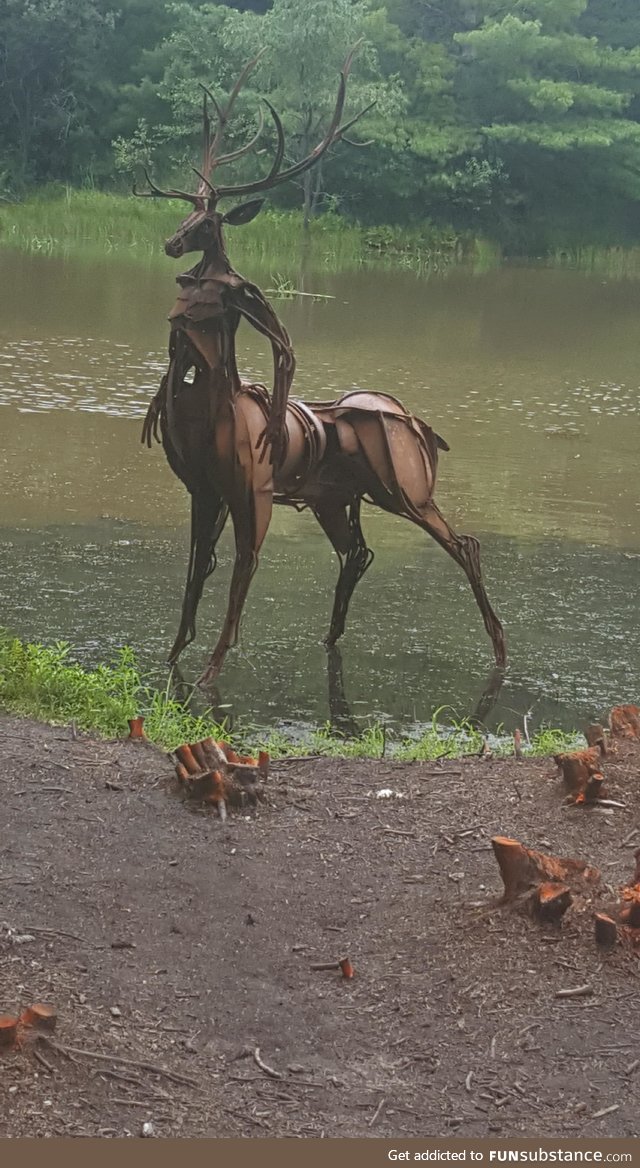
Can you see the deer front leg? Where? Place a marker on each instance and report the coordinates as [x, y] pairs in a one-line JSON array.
[[251, 519], [208, 517]]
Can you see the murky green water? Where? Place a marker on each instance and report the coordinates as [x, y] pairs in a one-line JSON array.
[[533, 377]]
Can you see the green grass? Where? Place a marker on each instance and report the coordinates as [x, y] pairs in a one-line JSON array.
[[44, 682], [91, 222]]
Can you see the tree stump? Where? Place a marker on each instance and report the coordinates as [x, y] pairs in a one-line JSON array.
[[40, 1016], [624, 722], [596, 736], [212, 772], [582, 774], [552, 901], [547, 880]]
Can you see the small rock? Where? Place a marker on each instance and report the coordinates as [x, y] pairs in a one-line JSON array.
[[147, 1130], [23, 938], [115, 1012], [12, 1090], [296, 1069], [82, 999]]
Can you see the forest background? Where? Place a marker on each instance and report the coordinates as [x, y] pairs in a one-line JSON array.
[[518, 120]]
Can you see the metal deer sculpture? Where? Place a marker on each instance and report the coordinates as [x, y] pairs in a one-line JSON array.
[[239, 449]]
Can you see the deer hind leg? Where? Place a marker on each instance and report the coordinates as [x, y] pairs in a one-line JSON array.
[[465, 550], [342, 526], [251, 516], [208, 517]]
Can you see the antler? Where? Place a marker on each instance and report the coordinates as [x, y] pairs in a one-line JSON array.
[[333, 134], [155, 193], [211, 158]]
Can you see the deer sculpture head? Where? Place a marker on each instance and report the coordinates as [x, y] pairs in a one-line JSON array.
[[202, 228]]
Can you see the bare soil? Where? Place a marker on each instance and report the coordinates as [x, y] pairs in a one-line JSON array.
[[175, 945]]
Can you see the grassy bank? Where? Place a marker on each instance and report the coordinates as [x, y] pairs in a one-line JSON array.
[[45, 683], [90, 222]]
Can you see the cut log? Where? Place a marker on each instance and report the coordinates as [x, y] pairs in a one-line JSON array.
[[523, 869], [552, 901], [182, 772], [8, 1031], [185, 756], [606, 931], [216, 758], [198, 752], [40, 1016]]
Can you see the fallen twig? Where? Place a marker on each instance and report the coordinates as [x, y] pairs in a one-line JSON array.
[[55, 933], [43, 1062], [265, 1067], [153, 1068], [135, 1103]]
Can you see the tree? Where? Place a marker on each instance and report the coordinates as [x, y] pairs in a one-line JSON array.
[[552, 105], [48, 67], [211, 45]]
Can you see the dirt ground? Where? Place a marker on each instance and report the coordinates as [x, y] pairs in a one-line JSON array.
[[173, 945]]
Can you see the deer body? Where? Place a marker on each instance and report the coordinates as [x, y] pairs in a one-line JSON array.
[[217, 430]]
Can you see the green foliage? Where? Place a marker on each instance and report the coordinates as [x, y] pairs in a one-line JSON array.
[[514, 118], [45, 683]]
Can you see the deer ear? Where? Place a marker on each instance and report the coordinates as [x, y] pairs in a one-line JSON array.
[[243, 213]]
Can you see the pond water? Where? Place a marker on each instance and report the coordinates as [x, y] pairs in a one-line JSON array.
[[531, 374]]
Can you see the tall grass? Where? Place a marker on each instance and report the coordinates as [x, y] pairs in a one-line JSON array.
[[615, 263], [90, 222], [44, 682]]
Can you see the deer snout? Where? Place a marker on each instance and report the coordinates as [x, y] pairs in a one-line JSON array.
[[173, 247]]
